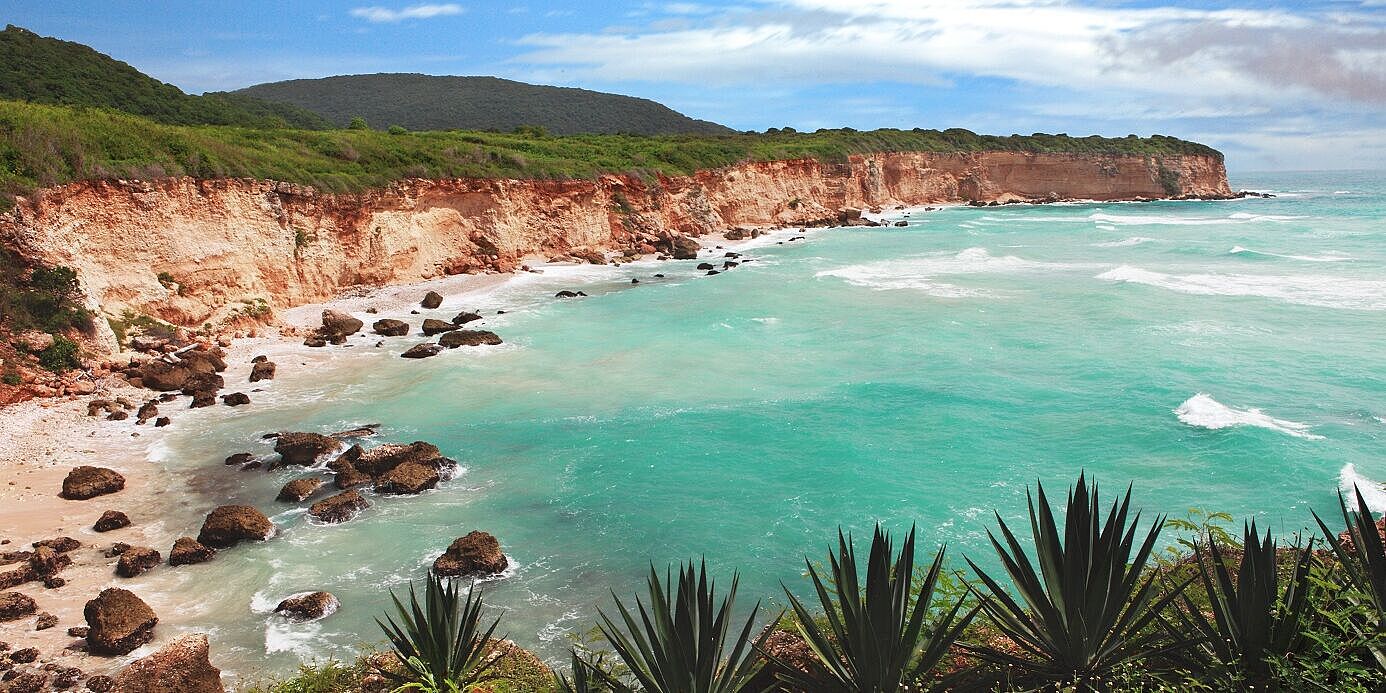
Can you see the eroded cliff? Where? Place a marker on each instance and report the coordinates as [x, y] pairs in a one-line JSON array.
[[230, 243]]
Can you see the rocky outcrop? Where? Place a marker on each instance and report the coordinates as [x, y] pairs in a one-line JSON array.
[[263, 370], [181, 665], [478, 553], [136, 560], [339, 508], [119, 234], [389, 327], [15, 605], [89, 482], [408, 478], [383, 458], [118, 622], [299, 490], [461, 338], [305, 449], [308, 607], [230, 524], [187, 551]]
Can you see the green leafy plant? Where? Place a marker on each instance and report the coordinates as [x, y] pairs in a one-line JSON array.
[[1087, 608], [681, 643], [358, 123], [1251, 619], [10, 378], [877, 635], [60, 356], [397, 130], [441, 641], [588, 676], [1362, 560]]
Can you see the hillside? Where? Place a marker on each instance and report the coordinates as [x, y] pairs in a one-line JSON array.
[[424, 102], [51, 71]]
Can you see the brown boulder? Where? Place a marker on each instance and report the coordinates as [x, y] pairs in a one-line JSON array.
[[465, 317], [137, 560], [59, 544], [263, 370], [299, 489], [230, 524], [339, 324], [478, 553], [339, 508], [16, 605], [683, 248], [148, 410], [89, 482], [432, 300], [422, 351], [309, 606], [45, 621], [181, 665], [45, 562], [408, 478], [186, 551], [235, 399], [391, 328], [383, 458], [111, 520], [118, 622], [452, 340], [305, 449], [432, 327]]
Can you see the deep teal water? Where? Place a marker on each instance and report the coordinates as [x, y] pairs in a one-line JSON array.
[[921, 375]]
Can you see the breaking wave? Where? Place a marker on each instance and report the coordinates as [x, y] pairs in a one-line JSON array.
[[1242, 250], [1306, 290], [1203, 411], [1372, 491], [1125, 242], [918, 273]]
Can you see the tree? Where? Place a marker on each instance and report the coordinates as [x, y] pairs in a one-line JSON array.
[[358, 123]]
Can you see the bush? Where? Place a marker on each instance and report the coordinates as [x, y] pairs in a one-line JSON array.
[[358, 123], [397, 130], [10, 378], [61, 356]]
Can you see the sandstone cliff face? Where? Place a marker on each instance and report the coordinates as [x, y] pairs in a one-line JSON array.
[[230, 242]]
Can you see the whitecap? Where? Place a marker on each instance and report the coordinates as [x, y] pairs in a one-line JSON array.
[[918, 273], [1149, 220], [1333, 257], [1125, 242], [1308, 290], [1372, 491], [1203, 411]]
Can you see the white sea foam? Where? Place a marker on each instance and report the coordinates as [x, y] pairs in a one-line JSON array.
[[1307, 290], [918, 273], [1243, 250], [1125, 242], [1203, 411], [1149, 220], [1372, 491]]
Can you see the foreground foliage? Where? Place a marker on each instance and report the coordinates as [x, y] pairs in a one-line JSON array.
[[441, 643]]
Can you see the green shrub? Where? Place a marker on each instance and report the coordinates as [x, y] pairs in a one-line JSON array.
[[10, 378], [397, 130], [60, 356], [166, 279], [440, 642], [358, 123]]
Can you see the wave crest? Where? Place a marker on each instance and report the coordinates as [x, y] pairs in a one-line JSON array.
[[1203, 411], [1306, 290]]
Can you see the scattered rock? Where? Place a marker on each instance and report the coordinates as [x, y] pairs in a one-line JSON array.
[[118, 415], [263, 370], [149, 410], [89, 482], [309, 606], [459, 338], [432, 300], [230, 524], [432, 327], [569, 294], [422, 351], [116, 549], [235, 399], [59, 544], [305, 449], [902, 223], [465, 317], [181, 665], [299, 490], [111, 520], [260, 359], [338, 324], [118, 622], [24, 656], [684, 248], [162, 421], [383, 458], [187, 551], [391, 328], [351, 477], [358, 432], [408, 478], [136, 560], [239, 458], [45, 621], [314, 341], [77, 632], [705, 266], [45, 562], [339, 508], [16, 605], [100, 684], [478, 553]]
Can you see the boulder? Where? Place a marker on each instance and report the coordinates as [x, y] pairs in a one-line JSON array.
[[16, 605], [162, 421], [89, 482], [299, 490], [422, 351], [684, 248], [432, 300], [161, 376], [305, 449], [432, 327], [45, 621], [705, 266], [452, 340], [45, 562], [239, 458], [351, 477], [137, 560], [119, 415], [737, 234], [235, 399], [339, 508], [465, 317], [203, 360], [148, 410], [181, 665], [59, 544], [111, 520], [383, 458], [569, 294], [478, 553], [230, 524], [263, 370], [187, 551], [339, 324], [118, 622], [391, 328], [100, 684], [408, 478], [308, 606], [314, 341]]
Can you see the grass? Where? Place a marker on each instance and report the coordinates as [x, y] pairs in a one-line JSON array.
[[42, 146]]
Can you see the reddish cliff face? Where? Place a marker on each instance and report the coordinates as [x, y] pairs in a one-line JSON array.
[[227, 243]]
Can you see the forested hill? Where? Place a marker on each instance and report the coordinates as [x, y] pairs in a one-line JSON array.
[[424, 102], [46, 70]]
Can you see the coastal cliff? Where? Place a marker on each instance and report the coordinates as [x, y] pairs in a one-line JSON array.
[[229, 243]]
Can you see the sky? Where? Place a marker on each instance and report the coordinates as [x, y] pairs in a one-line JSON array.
[[1274, 84]]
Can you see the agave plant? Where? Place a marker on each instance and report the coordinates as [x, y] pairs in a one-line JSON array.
[[1085, 610], [1250, 619], [680, 642], [440, 643], [877, 637], [587, 676], [1364, 563]]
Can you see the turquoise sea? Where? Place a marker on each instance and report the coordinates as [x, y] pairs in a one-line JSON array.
[[1217, 355]]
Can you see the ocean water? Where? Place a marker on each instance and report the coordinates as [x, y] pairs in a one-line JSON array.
[[1217, 355]]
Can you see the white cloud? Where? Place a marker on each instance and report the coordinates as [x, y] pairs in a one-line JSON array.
[[384, 14]]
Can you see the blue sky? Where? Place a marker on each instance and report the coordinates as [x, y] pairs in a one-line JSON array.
[[1290, 85]]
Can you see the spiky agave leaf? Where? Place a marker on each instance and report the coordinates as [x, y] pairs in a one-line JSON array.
[[1085, 610], [1250, 620], [441, 639], [1365, 564], [681, 643], [877, 638], [587, 678]]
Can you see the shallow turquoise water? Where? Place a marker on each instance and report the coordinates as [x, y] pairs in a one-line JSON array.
[[922, 375]]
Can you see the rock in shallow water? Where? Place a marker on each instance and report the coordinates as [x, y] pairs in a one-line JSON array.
[[230, 524], [432, 327], [478, 553], [308, 606], [305, 449], [181, 665], [391, 328], [89, 482], [15, 605], [118, 622], [422, 351], [299, 490], [339, 508], [136, 560], [432, 300], [452, 340], [111, 520], [187, 551]]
